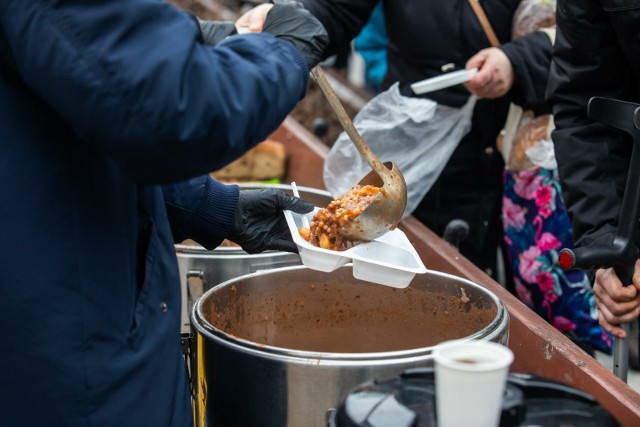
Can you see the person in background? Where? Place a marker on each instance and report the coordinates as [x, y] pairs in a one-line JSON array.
[[562, 298], [371, 44], [596, 54], [112, 114], [427, 39]]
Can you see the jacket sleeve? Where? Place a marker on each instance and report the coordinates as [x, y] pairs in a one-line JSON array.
[[343, 19], [132, 79], [201, 209], [530, 57], [592, 160]]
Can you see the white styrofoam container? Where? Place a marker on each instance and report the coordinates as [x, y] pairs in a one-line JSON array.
[[388, 260]]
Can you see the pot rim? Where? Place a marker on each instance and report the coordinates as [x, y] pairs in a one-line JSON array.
[[206, 329], [224, 250]]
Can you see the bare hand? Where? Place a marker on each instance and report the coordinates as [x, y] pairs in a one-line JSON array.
[[616, 303], [252, 20], [495, 76]]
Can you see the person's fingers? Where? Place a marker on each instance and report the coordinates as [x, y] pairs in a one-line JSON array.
[[300, 206], [281, 244], [494, 89], [279, 238], [604, 299], [498, 87], [616, 331], [635, 281], [495, 77], [242, 26], [612, 313], [611, 321], [616, 312], [482, 78], [477, 60], [292, 203], [244, 30], [489, 85], [253, 20], [608, 283]]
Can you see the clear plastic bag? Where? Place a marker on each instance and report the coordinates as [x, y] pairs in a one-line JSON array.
[[417, 134], [526, 140]]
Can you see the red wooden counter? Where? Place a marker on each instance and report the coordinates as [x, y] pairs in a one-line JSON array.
[[538, 347]]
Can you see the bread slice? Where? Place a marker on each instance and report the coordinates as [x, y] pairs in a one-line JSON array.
[[267, 160]]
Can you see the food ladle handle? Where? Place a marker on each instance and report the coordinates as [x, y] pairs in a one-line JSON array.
[[318, 75]]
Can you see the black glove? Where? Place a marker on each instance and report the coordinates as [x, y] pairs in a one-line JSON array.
[[289, 20], [259, 224], [213, 32]]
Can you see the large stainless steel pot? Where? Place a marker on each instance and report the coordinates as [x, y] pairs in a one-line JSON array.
[[201, 269], [281, 347]]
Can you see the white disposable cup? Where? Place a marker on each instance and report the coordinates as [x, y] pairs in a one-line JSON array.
[[470, 381]]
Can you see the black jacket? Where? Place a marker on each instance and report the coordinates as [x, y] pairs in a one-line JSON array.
[[597, 53], [424, 36]]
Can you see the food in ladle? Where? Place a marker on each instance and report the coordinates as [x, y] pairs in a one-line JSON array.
[[324, 230]]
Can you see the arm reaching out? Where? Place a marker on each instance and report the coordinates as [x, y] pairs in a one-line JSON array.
[[495, 76]]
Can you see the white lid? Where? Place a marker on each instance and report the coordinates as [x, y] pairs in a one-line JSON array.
[[440, 82]]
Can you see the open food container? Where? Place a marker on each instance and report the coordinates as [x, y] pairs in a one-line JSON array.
[[389, 260], [281, 347]]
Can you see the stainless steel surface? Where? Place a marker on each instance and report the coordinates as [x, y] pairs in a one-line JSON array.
[[385, 212], [201, 269], [242, 382], [621, 353]]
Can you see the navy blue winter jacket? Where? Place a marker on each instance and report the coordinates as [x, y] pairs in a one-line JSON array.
[[111, 114]]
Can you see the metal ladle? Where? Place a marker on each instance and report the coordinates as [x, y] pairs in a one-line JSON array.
[[386, 209]]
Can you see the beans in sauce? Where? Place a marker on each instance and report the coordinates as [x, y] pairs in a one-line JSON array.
[[325, 226]]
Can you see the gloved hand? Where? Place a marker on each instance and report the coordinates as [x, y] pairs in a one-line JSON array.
[[213, 32], [259, 223], [289, 20]]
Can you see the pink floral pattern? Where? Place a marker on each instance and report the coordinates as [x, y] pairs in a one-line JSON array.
[[536, 228]]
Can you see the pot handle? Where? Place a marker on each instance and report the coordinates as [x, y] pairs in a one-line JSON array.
[[330, 417], [195, 286]]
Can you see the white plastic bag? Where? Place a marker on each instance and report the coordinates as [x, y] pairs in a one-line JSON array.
[[417, 134], [542, 154]]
